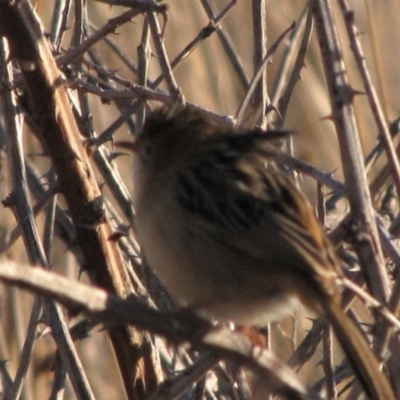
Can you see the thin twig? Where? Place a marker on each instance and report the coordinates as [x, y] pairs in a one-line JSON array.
[[327, 362], [368, 249], [175, 327], [260, 99], [228, 45], [372, 96], [372, 303], [258, 74]]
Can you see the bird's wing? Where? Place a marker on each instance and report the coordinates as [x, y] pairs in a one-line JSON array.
[[230, 195]]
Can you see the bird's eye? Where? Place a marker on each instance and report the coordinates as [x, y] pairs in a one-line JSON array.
[[147, 151]]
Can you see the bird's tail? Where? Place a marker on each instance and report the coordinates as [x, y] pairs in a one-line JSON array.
[[361, 357]]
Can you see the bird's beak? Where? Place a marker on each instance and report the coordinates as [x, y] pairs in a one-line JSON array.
[[129, 146]]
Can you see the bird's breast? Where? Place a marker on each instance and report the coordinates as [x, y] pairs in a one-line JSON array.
[[167, 248], [212, 279]]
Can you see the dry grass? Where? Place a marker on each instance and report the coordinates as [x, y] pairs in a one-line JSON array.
[[207, 79]]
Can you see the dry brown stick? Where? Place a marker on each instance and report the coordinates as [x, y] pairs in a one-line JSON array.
[[63, 228], [338, 187], [376, 109], [394, 127], [387, 339], [144, 4], [27, 351], [19, 204], [328, 177], [51, 109], [260, 99], [140, 92], [178, 328], [213, 26], [59, 22], [48, 234], [285, 85], [384, 134], [102, 156], [37, 208], [108, 28], [174, 387], [227, 44], [78, 24], [143, 56], [111, 26], [111, 176], [373, 303], [327, 362], [301, 354], [367, 245], [285, 82], [380, 181], [5, 379], [162, 56], [383, 176], [258, 75], [327, 335], [118, 52]]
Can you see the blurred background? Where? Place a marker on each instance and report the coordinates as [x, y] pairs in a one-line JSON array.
[[208, 79]]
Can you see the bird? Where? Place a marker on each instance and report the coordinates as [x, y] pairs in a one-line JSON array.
[[231, 236]]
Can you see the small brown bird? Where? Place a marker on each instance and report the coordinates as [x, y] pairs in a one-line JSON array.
[[234, 240]]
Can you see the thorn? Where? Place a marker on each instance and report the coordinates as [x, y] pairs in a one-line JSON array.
[[271, 107], [44, 332], [114, 237], [327, 118], [332, 173], [9, 201], [357, 92], [83, 268]]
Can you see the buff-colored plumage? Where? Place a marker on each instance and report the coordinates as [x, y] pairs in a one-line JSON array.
[[231, 239]]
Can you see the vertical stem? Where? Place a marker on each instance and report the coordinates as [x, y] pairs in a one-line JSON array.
[[367, 243], [259, 50]]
